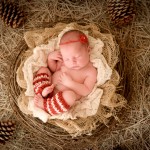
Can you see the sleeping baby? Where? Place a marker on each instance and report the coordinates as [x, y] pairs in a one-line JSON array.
[[70, 75]]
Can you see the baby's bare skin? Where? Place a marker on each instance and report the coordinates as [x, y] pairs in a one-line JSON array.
[[77, 75]]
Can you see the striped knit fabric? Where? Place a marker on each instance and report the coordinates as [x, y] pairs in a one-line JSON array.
[[56, 104], [41, 81]]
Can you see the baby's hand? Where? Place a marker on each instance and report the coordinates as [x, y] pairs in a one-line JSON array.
[[55, 55], [65, 79]]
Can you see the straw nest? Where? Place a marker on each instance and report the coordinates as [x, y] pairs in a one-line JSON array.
[[132, 129]]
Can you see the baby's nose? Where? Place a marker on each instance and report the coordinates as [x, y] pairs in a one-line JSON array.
[[73, 60]]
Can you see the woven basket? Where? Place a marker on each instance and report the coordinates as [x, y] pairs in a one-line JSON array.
[[110, 101]]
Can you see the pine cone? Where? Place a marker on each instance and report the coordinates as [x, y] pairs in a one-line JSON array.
[[121, 12], [6, 130], [11, 14]]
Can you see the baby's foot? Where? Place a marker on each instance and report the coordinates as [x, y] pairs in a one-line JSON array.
[[47, 90], [39, 101]]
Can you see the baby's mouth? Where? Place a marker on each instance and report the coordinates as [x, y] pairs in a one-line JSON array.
[[75, 67]]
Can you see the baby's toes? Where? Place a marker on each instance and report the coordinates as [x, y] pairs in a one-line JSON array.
[[52, 86], [35, 100], [49, 89], [37, 97]]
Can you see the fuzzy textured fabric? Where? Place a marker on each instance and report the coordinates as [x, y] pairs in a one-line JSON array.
[[56, 104]]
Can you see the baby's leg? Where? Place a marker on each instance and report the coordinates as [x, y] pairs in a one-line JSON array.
[[42, 82], [69, 97], [59, 103]]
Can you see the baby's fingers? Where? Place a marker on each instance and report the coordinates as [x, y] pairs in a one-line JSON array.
[[59, 59], [59, 80]]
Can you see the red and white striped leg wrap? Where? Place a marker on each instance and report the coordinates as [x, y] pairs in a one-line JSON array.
[[41, 81], [56, 104]]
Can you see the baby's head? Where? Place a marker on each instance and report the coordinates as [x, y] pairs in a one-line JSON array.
[[74, 47]]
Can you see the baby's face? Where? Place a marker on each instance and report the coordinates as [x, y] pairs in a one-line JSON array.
[[75, 55]]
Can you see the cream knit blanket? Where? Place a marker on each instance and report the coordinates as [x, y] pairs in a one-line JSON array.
[[86, 106]]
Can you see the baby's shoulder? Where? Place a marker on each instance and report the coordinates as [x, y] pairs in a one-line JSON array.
[[91, 70]]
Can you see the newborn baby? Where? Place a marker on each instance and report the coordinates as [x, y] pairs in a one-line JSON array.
[[69, 77]]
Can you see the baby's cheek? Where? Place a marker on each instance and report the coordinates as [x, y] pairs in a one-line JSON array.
[[83, 61], [67, 64]]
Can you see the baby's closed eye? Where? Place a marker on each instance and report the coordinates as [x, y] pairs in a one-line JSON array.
[[67, 59], [77, 57]]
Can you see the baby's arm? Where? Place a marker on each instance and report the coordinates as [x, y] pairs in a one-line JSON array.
[[53, 59], [81, 89], [85, 88]]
